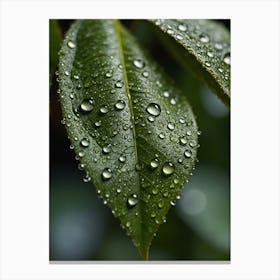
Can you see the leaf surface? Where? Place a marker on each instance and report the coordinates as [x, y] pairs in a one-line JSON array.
[[203, 47], [135, 137]]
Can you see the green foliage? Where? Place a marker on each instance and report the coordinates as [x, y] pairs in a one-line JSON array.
[[133, 131], [203, 47]]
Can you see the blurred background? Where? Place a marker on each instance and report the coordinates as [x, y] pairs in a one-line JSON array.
[[197, 228]]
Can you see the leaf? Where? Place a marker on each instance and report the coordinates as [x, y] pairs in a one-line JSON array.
[[135, 137], [203, 47], [55, 41]]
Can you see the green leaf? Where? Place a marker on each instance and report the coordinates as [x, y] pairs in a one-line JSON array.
[[203, 47], [55, 41], [135, 136]]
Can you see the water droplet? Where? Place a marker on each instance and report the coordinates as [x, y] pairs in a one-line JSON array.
[[227, 58], [127, 224], [108, 74], [66, 73], [98, 123], [168, 169], [84, 142], [118, 190], [182, 27], [104, 110], [145, 74], [106, 174], [119, 84], [208, 64], [154, 164], [153, 109], [151, 118], [166, 93], [218, 46], [204, 38], [171, 126], [120, 105], [81, 154], [87, 105], [86, 179], [106, 149], [81, 166], [179, 37], [220, 70], [192, 143], [173, 203], [173, 101], [71, 147], [176, 181], [188, 154], [71, 45], [161, 136], [182, 120], [170, 31], [122, 158], [183, 141], [139, 63], [199, 132], [76, 77], [189, 133], [160, 204], [210, 54], [132, 201]]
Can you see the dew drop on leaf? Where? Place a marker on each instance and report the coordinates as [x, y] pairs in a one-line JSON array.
[[71, 45], [171, 126], [182, 27], [154, 164], [119, 84], [168, 168], [188, 154], [106, 150], [104, 110], [227, 58], [204, 38], [87, 105], [122, 158], [120, 105], [106, 174], [153, 109], [84, 142], [132, 201], [139, 63]]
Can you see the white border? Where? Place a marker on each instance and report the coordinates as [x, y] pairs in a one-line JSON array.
[[255, 138]]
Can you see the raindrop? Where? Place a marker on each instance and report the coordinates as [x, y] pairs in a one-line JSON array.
[[160, 204], [87, 105], [183, 141], [204, 38], [71, 45], [170, 31], [171, 126], [86, 179], [104, 110], [189, 133], [119, 84], [81, 154], [122, 158], [98, 123], [106, 149], [182, 27], [109, 74], [106, 174], [227, 58], [139, 63], [218, 46], [145, 74], [192, 143], [120, 105], [188, 154], [153, 109], [179, 37], [168, 169], [132, 200], [161, 136], [166, 93], [154, 164], [182, 120], [84, 142]]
